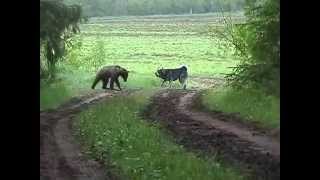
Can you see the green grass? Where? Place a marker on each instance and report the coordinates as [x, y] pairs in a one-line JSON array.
[[142, 45], [113, 131], [140, 150], [252, 104], [147, 53], [53, 95]]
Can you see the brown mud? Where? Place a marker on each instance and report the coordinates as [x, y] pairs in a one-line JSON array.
[[256, 154], [61, 157]]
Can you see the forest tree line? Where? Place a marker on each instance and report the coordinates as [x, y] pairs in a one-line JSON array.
[[96, 8]]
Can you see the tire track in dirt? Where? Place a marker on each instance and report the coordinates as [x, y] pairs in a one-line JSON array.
[[60, 155], [256, 154], [266, 143]]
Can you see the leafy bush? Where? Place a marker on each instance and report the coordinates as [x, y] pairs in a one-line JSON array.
[[57, 23], [257, 43]]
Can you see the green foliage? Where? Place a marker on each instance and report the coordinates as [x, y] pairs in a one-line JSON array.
[[114, 133], [99, 56], [257, 42], [95, 8], [92, 60], [252, 104], [141, 150], [57, 23], [73, 51]]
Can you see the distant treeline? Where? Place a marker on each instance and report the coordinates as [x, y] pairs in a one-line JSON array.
[[93, 8]]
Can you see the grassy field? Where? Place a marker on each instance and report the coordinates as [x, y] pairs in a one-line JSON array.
[[251, 104], [142, 45], [53, 95], [138, 149]]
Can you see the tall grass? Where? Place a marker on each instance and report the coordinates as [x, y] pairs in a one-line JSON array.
[[140, 150], [252, 104]]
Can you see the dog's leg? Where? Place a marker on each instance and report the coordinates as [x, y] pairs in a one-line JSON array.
[[184, 84], [163, 83]]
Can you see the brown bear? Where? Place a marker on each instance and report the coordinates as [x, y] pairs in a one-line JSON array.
[[111, 73]]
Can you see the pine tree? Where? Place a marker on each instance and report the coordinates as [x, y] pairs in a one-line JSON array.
[[57, 23]]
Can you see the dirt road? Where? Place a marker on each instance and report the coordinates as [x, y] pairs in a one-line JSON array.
[[60, 154], [257, 154]]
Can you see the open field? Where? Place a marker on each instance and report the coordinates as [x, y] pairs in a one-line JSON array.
[[126, 142], [142, 45]]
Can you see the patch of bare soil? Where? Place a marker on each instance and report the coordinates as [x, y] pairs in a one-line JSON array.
[[60, 155], [256, 154]]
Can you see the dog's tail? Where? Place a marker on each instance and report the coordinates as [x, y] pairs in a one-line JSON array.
[[184, 67]]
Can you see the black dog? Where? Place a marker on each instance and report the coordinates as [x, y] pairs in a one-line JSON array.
[[173, 74]]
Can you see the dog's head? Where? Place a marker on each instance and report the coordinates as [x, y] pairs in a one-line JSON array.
[[159, 73]]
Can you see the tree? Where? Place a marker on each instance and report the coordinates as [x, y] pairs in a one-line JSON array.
[[57, 23], [258, 44]]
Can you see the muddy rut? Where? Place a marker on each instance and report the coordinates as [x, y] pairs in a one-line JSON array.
[[60, 154], [257, 154]]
